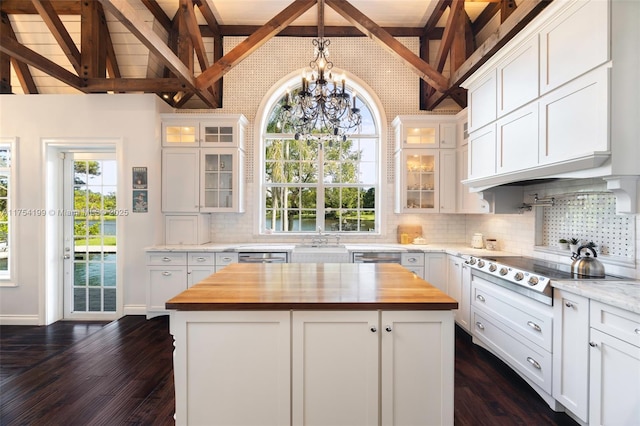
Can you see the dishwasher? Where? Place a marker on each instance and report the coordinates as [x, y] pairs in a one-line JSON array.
[[377, 257], [262, 257]]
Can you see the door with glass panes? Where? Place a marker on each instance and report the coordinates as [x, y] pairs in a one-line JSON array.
[[90, 240]]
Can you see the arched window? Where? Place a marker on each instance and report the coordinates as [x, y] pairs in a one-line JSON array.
[[320, 183]]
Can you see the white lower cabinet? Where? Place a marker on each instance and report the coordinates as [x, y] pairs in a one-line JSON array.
[[414, 262], [459, 287], [232, 368], [571, 352], [313, 367], [435, 270], [169, 273], [614, 370], [336, 362]]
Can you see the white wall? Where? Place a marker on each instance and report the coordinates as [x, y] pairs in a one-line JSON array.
[[32, 119]]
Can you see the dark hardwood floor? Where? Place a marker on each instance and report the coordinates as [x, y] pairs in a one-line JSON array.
[[120, 373]]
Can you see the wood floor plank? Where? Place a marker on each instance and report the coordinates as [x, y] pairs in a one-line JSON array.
[[121, 373]]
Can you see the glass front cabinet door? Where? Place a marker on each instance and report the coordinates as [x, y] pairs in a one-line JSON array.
[[419, 171], [221, 174]]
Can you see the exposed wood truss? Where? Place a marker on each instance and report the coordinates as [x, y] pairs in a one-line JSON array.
[[190, 71]]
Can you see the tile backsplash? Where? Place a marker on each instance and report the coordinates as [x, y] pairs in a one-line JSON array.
[[589, 217]]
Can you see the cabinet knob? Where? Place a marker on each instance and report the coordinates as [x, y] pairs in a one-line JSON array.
[[374, 329], [569, 305], [534, 363], [388, 328], [166, 273], [480, 298], [637, 330], [593, 344], [480, 325], [166, 259]]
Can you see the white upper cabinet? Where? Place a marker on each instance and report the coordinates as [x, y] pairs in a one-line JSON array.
[[206, 173], [424, 131], [517, 141], [482, 101], [573, 70], [203, 130], [575, 41], [518, 77]]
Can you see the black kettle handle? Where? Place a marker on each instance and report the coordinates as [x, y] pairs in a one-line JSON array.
[[587, 246]]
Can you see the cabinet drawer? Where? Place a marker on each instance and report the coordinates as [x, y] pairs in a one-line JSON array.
[[522, 315], [412, 259], [165, 258], [223, 259], [530, 361], [201, 259], [625, 325]]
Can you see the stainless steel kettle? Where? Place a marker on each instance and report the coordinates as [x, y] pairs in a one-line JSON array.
[[587, 266]]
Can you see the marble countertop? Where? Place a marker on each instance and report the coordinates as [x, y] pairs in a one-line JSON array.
[[624, 294]]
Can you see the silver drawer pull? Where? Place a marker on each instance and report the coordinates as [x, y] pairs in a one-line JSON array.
[[480, 325], [533, 325], [412, 260], [373, 329], [637, 330], [480, 297], [166, 273], [534, 363], [226, 259], [201, 259], [166, 259], [388, 329], [569, 305]]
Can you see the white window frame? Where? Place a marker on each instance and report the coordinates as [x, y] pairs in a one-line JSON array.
[[9, 278], [375, 106]]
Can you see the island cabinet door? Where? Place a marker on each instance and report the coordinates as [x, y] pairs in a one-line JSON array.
[[417, 367], [335, 368], [232, 368]]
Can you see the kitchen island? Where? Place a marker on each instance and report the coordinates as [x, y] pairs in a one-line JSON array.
[[281, 344]]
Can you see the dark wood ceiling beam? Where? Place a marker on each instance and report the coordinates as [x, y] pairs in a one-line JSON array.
[[59, 32], [485, 17], [207, 12], [253, 42], [92, 49], [505, 32], [130, 19], [506, 9], [147, 85], [312, 31], [26, 7], [449, 32], [5, 60], [438, 11], [158, 13], [112, 60], [24, 54], [189, 18], [366, 25]]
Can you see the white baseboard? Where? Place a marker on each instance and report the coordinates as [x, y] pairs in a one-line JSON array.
[[134, 310], [19, 320]]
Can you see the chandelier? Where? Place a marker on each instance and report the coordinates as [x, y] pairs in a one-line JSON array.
[[321, 107]]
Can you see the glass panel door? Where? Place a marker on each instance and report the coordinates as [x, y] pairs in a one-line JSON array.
[[90, 235], [420, 180]]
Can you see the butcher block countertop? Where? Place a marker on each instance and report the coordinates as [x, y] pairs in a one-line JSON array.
[[312, 286]]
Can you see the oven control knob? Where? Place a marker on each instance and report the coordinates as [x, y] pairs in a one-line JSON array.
[[518, 276], [480, 263], [472, 261], [503, 271], [492, 267], [533, 281]]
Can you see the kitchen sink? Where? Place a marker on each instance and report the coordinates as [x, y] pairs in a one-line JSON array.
[[320, 248]]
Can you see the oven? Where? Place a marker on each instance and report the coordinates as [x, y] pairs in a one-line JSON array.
[[512, 313]]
